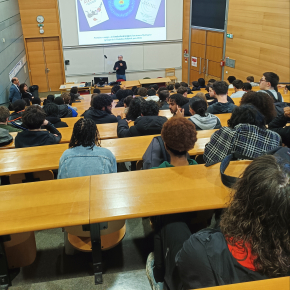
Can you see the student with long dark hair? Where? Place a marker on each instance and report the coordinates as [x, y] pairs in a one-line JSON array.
[[25, 94], [85, 155]]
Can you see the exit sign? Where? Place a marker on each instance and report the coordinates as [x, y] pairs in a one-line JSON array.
[[231, 36]]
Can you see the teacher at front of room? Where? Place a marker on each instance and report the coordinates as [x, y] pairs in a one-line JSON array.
[[120, 68]]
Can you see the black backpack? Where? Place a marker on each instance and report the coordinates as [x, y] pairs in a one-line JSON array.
[[278, 95], [282, 153]]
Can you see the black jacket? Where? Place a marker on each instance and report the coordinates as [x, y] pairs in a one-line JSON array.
[[100, 117], [64, 111], [38, 138], [56, 122], [27, 95], [120, 103], [122, 69], [165, 106], [147, 125], [277, 125]]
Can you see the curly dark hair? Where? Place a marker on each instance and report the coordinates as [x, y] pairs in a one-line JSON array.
[[121, 94], [135, 109], [115, 89], [18, 105], [100, 101], [263, 102], [86, 134], [258, 215], [170, 87], [142, 92], [151, 92], [33, 117], [179, 99], [247, 114], [51, 110], [179, 135], [198, 105], [149, 108]]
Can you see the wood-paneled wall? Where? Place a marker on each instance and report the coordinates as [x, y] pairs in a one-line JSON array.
[[261, 38], [185, 37]]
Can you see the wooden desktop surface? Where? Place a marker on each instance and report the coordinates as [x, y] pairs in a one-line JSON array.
[[154, 81], [43, 205], [159, 191], [130, 84], [80, 86]]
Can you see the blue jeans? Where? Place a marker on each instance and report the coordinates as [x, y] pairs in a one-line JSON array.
[[123, 77]]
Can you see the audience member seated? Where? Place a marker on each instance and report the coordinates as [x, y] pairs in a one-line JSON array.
[[210, 92], [182, 91], [195, 86], [85, 155], [246, 135], [212, 96], [278, 125], [101, 110], [121, 95], [127, 102], [200, 118], [176, 102], [154, 87], [33, 118], [68, 101], [142, 92], [176, 86], [201, 83], [148, 124], [247, 87], [96, 91], [114, 91], [49, 99], [74, 95], [25, 94], [135, 91], [63, 110], [16, 116], [36, 101], [251, 81], [163, 100], [222, 105], [230, 80], [4, 117], [152, 95], [189, 91], [183, 84], [51, 111], [238, 87], [27, 102], [170, 88], [263, 102], [248, 243], [134, 111], [269, 84]]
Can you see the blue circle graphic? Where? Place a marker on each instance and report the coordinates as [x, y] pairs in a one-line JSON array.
[[121, 8]]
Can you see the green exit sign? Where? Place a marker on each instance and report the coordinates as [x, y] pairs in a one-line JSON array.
[[231, 36]]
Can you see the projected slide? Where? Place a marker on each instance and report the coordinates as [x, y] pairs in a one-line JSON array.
[[120, 21]]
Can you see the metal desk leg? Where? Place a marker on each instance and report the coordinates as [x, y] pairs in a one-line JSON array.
[[5, 281], [97, 252]]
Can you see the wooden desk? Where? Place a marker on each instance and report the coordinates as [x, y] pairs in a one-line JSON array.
[[104, 90], [154, 81], [130, 84], [190, 188], [65, 87], [44, 205]]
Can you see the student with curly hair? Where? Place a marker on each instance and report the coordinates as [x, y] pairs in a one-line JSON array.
[[121, 95], [142, 92], [252, 242], [33, 118], [176, 102], [148, 124], [101, 110], [85, 155], [51, 111], [134, 110]]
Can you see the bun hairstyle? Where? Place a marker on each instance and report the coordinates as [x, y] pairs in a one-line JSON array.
[[198, 105]]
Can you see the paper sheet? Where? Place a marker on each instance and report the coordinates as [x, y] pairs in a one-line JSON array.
[[148, 10]]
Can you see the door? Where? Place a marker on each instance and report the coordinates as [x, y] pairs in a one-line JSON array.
[[45, 63]]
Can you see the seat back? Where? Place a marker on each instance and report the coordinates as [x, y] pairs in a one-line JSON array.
[[169, 72], [31, 177]]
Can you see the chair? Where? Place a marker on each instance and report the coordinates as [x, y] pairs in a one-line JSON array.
[[120, 80], [170, 73], [30, 177]]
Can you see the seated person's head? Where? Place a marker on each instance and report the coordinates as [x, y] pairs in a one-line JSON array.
[[258, 215], [189, 91], [36, 101], [135, 108], [211, 81], [127, 101], [103, 102], [74, 90], [175, 101], [263, 102], [170, 88], [184, 84], [231, 79], [96, 91], [135, 90], [27, 102], [49, 99], [114, 89], [155, 87], [250, 79], [142, 92], [269, 80], [59, 101], [195, 84], [179, 136], [209, 89], [247, 114], [182, 91], [85, 133], [23, 88], [220, 88], [121, 94], [18, 105], [92, 97], [33, 117], [151, 92], [177, 86], [129, 92], [201, 95], [238, 85], [201, 82], [51, 110], [163, 95], [149, 108], [247, 87], [66, 98], [161, 89], [4, 115], [197, 106]]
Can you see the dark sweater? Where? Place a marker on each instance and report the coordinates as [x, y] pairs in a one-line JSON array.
[[122, 69], [56, 122], [221, 108], [100, 117], [38, 138]]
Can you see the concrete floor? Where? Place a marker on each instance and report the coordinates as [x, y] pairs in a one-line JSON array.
[[124, 265]]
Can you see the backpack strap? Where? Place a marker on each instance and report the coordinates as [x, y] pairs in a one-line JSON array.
[[162, 147], [271, 95]]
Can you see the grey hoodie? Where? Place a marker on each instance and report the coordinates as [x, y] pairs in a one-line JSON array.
[[208, 122]]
